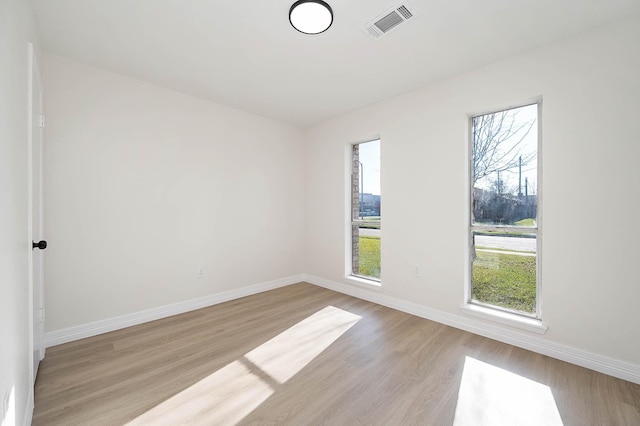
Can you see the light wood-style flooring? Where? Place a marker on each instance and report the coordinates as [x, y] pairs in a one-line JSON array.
[[304, 355]]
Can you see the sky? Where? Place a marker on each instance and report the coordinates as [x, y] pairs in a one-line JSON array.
[[370, 159]]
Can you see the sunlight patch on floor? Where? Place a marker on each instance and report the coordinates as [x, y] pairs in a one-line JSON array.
[[492, 396], [231, 393], [224, 397], [289, 352]]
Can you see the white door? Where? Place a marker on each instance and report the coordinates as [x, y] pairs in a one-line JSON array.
[[37, 229]]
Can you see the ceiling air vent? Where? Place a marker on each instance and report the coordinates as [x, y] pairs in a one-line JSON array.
[[389, 20]]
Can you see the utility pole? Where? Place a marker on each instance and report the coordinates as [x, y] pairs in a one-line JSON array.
[[520, 178], [526, 187]]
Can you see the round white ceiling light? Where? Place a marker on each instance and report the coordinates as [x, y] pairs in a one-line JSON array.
[[311, 16]]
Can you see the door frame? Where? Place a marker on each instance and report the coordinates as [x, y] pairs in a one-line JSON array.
[[36, 284]]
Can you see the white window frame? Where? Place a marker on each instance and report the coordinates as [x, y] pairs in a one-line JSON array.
[[368, 282], [529, 322]]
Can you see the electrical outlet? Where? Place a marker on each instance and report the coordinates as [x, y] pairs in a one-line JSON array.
[[417, 272], [200, 273]]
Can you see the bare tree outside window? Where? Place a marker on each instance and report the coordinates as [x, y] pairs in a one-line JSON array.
[[499, 143]]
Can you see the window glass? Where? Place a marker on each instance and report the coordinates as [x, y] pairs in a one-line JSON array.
[[505, 167], [365, 210], [503, 271], [504, 210]]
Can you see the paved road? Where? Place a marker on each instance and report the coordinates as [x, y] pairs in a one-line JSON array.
[[507, 243], [504, 243], [366, 232]]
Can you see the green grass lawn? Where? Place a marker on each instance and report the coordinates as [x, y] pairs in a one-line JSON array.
[[526, 222], [505, 280], [369, 262]]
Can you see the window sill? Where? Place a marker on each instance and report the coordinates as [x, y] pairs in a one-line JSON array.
[[506, 318], [363, 282]]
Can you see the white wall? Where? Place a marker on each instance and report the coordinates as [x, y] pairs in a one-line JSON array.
[[143, 186], [591, 147], [17, 27]]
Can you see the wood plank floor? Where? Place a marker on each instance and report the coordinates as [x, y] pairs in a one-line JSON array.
[[304, 355]]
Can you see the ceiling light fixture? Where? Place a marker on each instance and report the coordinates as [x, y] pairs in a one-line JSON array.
[[311, 16]]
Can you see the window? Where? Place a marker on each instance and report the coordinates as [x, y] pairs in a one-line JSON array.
[[504, 228], [365, 210]]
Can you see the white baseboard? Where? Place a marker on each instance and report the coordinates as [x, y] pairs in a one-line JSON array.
[[606, 365], [602, 364], [104, 326]]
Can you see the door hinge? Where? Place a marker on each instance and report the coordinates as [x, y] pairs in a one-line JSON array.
[[41, 121], [42, 315]]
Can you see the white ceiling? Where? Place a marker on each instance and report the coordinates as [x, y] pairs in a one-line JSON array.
[[245, 54]]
